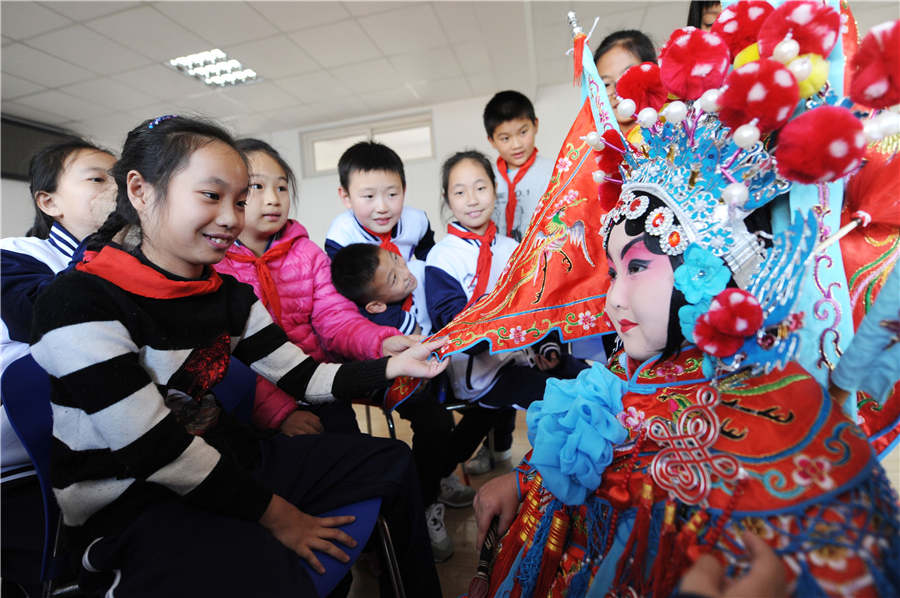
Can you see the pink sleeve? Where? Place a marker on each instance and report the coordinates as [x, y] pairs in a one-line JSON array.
[[271, 405], [342, 329]]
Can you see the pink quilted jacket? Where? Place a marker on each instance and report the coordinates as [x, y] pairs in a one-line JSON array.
[[318, 319]]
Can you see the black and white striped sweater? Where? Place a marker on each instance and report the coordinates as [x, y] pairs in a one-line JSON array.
[[117, 336]]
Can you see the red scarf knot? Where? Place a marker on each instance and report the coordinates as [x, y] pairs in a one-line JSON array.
[[511, 201], [267, 286], [485, 255], [385, 241]]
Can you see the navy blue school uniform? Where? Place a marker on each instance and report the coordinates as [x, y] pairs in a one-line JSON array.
[[28, 265], [416, 316]]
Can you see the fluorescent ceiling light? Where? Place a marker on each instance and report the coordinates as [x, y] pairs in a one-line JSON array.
[[213, 67]]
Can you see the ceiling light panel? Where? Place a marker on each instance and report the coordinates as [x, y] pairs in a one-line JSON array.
[[214, 68]]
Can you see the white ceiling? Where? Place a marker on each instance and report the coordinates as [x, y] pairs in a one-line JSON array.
[[99, 68]]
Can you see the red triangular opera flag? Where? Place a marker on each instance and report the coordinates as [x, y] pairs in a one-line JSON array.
[[557, 277]]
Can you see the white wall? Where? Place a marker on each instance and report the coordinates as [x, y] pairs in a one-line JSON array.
[[456, 126], [16, 208]]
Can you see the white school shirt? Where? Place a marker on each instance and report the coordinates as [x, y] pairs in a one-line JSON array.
[[472, 376], [528, 193], [345, 230]]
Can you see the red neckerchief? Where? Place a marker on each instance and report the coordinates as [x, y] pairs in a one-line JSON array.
[[385, 241], [511, 186], [130, 274], [483, 269], [267, 286]]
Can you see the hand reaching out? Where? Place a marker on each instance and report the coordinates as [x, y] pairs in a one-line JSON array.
[[394, 345], [417, 361], [304, 533]]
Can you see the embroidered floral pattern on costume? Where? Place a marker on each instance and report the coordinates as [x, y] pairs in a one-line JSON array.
[[812, 470]]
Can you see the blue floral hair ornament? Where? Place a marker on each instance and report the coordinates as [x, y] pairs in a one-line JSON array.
[[573, 440], [702, 275], [160, 119]]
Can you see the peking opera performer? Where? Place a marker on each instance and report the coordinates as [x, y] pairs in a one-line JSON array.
[[703, 426]]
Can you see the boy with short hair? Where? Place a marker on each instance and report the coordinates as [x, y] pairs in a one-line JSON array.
[[387, 289], [522, 175], [373, 188], [383, 286]]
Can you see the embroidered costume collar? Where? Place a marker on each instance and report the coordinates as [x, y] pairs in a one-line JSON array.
[[646, 377]]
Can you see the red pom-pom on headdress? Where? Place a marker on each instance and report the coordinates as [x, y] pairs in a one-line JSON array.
[[764, 90], [713, 341], [876, 67], [693, 61], [875, 189], [736, 312], [733, 316], [813, 25], [739, 24], [642, 84], [821, 145]]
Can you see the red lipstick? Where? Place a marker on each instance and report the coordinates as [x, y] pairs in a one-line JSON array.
[[626, 325]]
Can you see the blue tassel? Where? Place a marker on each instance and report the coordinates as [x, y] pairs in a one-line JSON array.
[[506, 586], [806, 583], [531, 564], [884, 586], [891, 558], [603, 514], [579, 585]]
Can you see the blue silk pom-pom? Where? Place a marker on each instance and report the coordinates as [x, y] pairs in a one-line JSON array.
[[573, 431]]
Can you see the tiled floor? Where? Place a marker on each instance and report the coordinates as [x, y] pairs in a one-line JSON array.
[[457, 572]]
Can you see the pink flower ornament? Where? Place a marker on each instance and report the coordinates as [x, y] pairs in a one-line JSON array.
[[812, 471], [632, 419], [586, 320]]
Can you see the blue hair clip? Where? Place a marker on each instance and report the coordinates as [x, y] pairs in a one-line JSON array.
[[159, 119]]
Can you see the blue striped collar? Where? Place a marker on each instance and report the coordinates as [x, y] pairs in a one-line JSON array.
[[63, 240]]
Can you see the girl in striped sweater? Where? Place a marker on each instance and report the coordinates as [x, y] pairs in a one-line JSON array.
[[162, 492]]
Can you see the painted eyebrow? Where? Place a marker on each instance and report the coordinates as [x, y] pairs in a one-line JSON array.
[[630, 244]]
